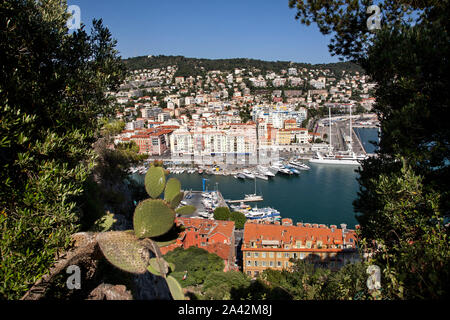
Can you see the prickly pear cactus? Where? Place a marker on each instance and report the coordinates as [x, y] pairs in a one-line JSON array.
[[154, 268], [186, 210], [175, 288], [152, 218], [176, 200], [105, 223], [123, 250], [155, 181], [173, 188]]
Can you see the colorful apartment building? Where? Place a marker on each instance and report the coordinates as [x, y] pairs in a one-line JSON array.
[[152, 141], [290, 124], [215, 236], [227, 139], [273, 245], [292, 136]]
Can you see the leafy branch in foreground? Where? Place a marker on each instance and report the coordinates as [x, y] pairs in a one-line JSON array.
[[411, 242], [52, 93]]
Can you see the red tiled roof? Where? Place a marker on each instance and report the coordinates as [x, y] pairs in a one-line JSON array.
[[213, 233], [289, 233], [221, 249], [296, 129]]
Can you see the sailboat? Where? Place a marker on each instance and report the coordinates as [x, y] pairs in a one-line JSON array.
[[253, 197], [350, 158]]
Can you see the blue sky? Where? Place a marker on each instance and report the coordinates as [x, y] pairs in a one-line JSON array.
[[214, 29]]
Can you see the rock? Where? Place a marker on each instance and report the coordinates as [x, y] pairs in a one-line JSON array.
[[110, 292]]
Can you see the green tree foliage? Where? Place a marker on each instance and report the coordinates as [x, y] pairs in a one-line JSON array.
[[346, 20], [239, 219], [195, 67], [359, 109], [308, 282], [259, 289], [109, 186], [197, 262], [222, 213], [112, 127], [245, 113], [401, 204], [412, 243], [218, 285], [52, 92]]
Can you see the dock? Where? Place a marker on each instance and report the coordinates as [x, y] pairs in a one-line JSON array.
[[245, 200]]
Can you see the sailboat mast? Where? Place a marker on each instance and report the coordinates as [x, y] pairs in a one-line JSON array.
[[329, 122], [351, 139]]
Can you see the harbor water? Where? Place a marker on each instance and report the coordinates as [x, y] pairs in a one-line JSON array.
[[322, 195], [366, 135]]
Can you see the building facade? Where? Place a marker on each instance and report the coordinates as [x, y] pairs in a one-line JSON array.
[[273, 245]]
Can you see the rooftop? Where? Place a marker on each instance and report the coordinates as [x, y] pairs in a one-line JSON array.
[[279, 235]]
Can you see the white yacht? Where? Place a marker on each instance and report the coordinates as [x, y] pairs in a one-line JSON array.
[[285, 170], [265, 171], [346, 158], [240, 176], [248, 174], [274, 169], [299, 165], [337, 159], [263, 213], [261, 176], [279, 167]]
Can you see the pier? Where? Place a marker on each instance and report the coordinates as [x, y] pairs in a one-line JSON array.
[[246, 200], [359, 142]]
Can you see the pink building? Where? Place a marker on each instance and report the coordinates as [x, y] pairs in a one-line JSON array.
[[152, 143]]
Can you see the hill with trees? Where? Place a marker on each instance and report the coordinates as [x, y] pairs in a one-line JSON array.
[[196, 66]]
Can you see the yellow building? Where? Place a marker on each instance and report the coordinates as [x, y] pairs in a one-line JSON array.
[[290, 124], [273, 245], [283, 136]]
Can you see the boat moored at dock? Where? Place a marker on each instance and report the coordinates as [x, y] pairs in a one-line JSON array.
[[299, 165]]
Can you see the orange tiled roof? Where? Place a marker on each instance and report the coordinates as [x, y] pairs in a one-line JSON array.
[[221, 249], [195, 228], [291, 233]]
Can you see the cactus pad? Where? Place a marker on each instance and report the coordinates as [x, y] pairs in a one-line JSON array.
[[155, 181], [176, 200], [175, 288], [153, 267], [173, 188], [105, 223], [163, 244], [152, 218], [186, 210], [169, 237], [123, 250]]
